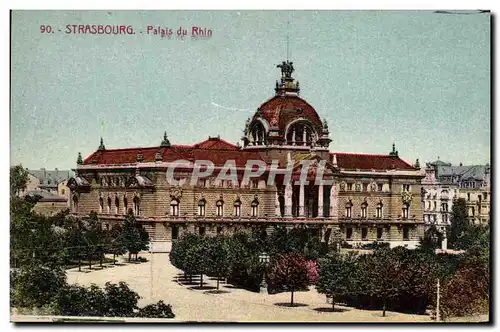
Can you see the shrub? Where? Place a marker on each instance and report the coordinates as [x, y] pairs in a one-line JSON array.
[[156, 310], [35, 285]]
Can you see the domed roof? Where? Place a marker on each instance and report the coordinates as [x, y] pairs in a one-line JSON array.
[[281, 110]]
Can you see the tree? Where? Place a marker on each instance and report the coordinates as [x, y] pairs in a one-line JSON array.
[[35, 285], [381, 271], [131, 236], [114, 242], [432, 238], [18, 179], [94, 239], [218, 257], [76, 244], [459, 223], [336, 275], [290, 272]]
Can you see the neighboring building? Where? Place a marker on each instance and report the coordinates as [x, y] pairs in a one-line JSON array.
[[52, 181], [444, 183], [51, 185], [373, 197], [471, 183], [48, 203], [437, 200]]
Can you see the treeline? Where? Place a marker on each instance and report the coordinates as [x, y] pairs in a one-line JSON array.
[[397, 279], [61, 240], [41, 248]]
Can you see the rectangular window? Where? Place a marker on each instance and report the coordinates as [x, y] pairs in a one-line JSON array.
[[380, 186], [349, 186], [365, 186], [364, 234], [445, 218], [406, 234], [485, 196], [201, 210], [255, 184], [406, 187], [348, 212], [254, 210], [435, 206], [380, 231], [363, 211], [237, 210], [348, 233], [405, 212], [175, 232], [220, 210], [201, 230], [468, 196], [379, 211]]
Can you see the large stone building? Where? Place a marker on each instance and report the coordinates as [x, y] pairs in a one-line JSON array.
[[370, 197]]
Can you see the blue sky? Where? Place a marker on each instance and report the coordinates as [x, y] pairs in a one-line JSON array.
[[416, 78]]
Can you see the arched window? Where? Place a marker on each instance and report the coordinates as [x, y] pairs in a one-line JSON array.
[[258, 134], [125, 205], [174, 208], [109, 205], [75, 204], [348, 209], [364, 209], [117, 205], [201, 207], [237, 208], [255, 208], [379, 210], [137, 203], [220, 208], [101, 205], [299, 134]]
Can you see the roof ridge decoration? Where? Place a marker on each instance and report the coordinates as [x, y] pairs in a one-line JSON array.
[[101, 146], [165, 143], [79, 160], [394, 152]]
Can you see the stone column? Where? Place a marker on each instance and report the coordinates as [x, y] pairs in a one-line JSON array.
[[288, 200], [320, 201], [293, 136], [333, 202], [301, 200]]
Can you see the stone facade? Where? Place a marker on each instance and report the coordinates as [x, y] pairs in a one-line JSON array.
[[366, 197]]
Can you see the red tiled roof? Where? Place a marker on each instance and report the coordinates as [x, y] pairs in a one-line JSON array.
[[214, 149], [281, 110], [215, 143], [370, 161]]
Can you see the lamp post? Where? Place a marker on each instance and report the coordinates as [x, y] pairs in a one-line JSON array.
[[264, 259]]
